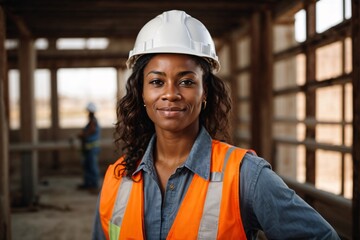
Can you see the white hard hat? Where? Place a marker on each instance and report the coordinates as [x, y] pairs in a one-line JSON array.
[[175, 32], [91, 107]]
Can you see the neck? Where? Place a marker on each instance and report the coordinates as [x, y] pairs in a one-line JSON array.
[[173, 149]]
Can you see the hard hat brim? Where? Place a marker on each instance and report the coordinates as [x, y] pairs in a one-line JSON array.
[[133, 56]]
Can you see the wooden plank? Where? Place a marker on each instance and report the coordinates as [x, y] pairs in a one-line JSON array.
[[5, 228], [356, 116]]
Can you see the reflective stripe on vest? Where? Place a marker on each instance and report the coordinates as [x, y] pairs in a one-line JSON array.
[[91, 145], [210, 217], [119, 208], [214, 206]]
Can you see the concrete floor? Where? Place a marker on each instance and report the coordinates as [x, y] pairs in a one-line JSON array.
[[64, 213]]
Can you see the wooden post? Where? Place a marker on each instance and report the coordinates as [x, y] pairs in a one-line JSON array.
[[255, 103], [266, 85], [54, 115], [5, 229], [310, 94], [233, 52], [261, 84], [356, 117], [28, 133]]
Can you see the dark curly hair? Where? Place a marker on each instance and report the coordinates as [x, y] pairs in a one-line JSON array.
[[134, 129]]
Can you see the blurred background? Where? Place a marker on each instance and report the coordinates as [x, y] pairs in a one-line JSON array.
[[293, 68]]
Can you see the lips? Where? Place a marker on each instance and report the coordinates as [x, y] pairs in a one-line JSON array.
[[170, 111]]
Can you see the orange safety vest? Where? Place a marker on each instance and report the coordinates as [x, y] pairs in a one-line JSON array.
[[209, 210]]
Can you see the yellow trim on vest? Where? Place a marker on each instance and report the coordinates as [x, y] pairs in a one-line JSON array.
[[114, 231]]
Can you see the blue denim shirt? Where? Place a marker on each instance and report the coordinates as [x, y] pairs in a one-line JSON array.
[[266, 203]]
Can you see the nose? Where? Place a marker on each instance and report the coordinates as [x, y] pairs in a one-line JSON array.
[[171, 93]]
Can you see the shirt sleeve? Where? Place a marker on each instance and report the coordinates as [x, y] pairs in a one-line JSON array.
[[269, 205], [98, 233]]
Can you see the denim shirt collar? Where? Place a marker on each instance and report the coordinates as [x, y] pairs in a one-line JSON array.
[[198, 160]]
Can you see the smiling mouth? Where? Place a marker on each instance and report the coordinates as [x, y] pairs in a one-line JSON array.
[[170, 111]]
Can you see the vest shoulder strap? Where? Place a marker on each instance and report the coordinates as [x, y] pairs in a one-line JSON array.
[[108, 196], [209, 201]]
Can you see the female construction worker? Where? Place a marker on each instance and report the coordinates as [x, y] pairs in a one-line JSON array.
[[176, 179]]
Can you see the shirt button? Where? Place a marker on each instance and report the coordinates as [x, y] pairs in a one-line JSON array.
[[171, 186]]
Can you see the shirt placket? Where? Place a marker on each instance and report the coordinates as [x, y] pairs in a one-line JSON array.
[[170, 204]]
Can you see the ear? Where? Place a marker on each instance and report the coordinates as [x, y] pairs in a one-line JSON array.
[[205, 93]]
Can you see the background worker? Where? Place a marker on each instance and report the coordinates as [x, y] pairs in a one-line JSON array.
[[90, 149], [177, 178]]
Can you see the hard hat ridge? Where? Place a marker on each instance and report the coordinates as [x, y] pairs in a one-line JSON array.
[[175, 32]]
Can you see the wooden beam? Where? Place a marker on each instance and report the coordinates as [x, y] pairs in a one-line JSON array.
[[334, 208], [261, 84], [20, 24], [80, 6], [5, 228], [55, 126], [310, 100], [266, 89], [234, 86], [356, 117], [255, 84], [74, 59]]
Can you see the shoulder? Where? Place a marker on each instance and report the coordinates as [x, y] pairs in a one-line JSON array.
[[114, 170], [252, 166]]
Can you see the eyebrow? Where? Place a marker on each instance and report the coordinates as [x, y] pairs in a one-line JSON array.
[[156, 72], [180, 74]]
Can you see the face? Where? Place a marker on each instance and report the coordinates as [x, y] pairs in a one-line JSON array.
[[173, 92]]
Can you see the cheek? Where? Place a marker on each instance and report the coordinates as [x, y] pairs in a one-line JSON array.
[[149, 98], [147, 95]]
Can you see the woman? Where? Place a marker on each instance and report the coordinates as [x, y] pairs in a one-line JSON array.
[[176, 179]]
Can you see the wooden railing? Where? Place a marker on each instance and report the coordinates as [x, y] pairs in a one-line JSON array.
[[337, 210]]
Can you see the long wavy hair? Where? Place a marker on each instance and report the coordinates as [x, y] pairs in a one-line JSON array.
[[134, 129]]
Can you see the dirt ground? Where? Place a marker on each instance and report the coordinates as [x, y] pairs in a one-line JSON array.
[[63, 213]]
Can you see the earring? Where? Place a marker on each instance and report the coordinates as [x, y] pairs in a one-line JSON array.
[[204, 102], [144, 105]]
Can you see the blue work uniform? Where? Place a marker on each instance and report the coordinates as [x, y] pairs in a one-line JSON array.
[[90, 151]]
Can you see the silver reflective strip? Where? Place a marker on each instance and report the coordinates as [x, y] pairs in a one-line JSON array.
[[227, 155], [121, 201], [210, 218], [216, 177]]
